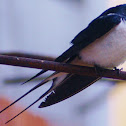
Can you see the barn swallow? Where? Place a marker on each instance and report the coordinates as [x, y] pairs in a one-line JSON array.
[[101, 44]]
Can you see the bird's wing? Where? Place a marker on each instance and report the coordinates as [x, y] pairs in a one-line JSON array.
[[71, 85], [96, 29]]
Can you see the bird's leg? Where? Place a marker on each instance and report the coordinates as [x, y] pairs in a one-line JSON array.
[[118, 70]]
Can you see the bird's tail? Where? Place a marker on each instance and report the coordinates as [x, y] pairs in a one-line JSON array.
[[56, 74]]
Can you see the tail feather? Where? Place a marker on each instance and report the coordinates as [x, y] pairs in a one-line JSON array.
[[37, 86], [38, 74], [51, 88]]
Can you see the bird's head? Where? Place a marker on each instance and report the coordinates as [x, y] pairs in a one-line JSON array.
[[119, 10]]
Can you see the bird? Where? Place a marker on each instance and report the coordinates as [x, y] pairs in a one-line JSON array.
[[101, 44]]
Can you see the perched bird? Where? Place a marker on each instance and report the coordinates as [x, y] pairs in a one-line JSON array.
[[102, 43]]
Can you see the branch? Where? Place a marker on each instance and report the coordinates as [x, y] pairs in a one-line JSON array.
[[60, 67], [28, 55]]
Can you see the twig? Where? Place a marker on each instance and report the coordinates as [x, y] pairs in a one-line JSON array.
[[28, 55], [61, 67]]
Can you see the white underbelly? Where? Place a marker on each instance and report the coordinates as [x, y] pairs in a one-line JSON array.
[[109, 50]]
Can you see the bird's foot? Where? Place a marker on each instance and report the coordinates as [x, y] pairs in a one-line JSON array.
[[118, 70]]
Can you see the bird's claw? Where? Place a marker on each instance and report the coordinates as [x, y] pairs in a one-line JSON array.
[[118, 70]]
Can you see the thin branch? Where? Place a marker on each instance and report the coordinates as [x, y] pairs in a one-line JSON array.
[[61, 67], [28, 55]]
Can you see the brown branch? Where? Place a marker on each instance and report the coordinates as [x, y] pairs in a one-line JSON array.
[[28, 55], [61, 67]]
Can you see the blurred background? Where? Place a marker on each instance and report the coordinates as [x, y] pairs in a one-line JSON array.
[[46, 28]]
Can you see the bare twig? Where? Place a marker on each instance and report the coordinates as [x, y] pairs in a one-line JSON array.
[[61, 67], [28, 55]]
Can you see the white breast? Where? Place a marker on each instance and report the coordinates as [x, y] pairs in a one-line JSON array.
[[108, 51]]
